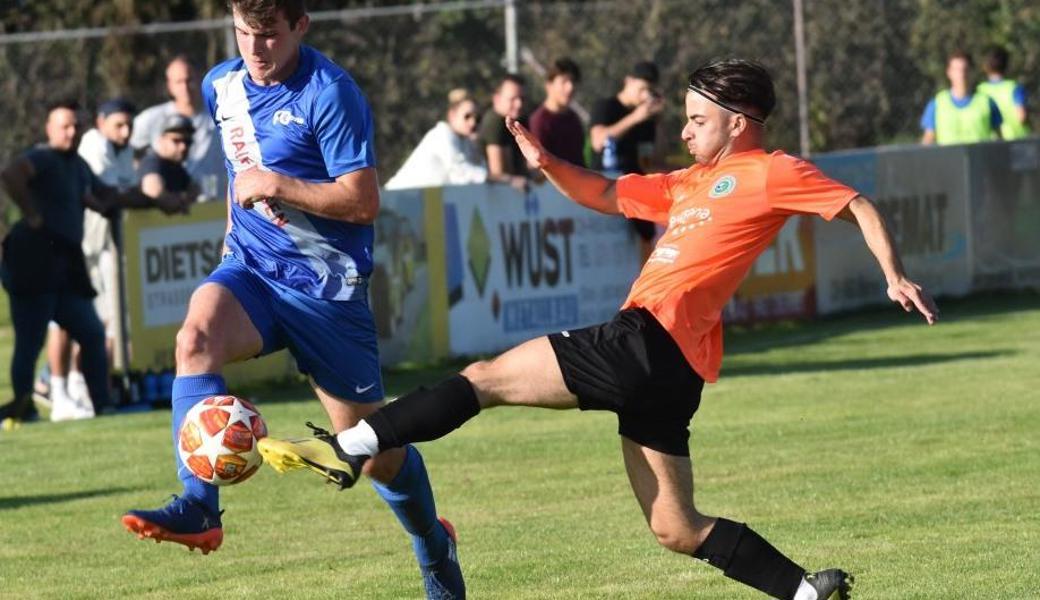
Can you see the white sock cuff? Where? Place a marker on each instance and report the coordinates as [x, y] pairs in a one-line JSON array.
[[359, 440]]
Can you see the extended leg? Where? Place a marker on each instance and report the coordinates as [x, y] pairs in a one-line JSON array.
[[527, 375]]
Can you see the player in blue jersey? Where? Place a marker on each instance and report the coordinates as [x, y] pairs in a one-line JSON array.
[[297, 137]]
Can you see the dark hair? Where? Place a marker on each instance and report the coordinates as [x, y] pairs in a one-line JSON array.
[[513, 77], [996, 60], [264, 13], [742, 84], [645, 70], [66, 103], [180, 57], [116, 105], [961, 54], [564, 66]]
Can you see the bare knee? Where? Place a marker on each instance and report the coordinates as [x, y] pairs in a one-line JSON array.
[[476, 372], [480, 376], [683, 538], [197, 351]]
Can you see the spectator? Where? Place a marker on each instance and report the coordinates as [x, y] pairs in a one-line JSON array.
[[105, 148], [624, 128], [43, 269], [629, 119], [555, 125], [505, 162], [206, 159], [162, 169], [956, 116], [1008, 94], [447, 154]]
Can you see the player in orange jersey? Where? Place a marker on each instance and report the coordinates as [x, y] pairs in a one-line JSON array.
[[649, 364]]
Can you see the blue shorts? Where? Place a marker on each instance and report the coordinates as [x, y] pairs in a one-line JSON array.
[[332, 341]]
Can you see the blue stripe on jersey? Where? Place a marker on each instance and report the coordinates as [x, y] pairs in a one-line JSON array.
[[315, 126]]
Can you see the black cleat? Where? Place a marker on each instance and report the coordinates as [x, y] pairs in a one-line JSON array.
[[829, 582]]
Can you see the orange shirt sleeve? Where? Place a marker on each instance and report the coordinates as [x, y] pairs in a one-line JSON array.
[[646, 197], [796, 186]]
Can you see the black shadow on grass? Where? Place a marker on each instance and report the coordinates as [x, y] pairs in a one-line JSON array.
[[907, 360], [11, 502]]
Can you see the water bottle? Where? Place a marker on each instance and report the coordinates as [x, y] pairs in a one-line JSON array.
[[151, 387], [166, 386], [610, 157]]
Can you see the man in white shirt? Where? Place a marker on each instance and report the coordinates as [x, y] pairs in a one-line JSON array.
[[205, 160]]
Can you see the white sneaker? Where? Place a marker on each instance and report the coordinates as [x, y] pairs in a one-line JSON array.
[[80, 394], [64, 408]]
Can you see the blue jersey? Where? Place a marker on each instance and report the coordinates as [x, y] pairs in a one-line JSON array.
[[315, 126]]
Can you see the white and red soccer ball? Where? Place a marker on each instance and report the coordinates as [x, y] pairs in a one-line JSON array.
[[217, 440]]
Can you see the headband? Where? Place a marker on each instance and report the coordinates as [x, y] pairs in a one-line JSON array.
[[715, 100]]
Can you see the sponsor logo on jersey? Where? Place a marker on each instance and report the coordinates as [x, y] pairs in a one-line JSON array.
[[284, 117], [665, 254], [688, 219]]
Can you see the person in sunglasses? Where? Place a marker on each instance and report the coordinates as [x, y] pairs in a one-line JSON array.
[[447, 154]]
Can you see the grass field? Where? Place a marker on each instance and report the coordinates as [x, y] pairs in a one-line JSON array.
[[906, 454]]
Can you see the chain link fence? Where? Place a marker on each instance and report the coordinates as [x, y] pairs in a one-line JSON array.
[[872, 64]]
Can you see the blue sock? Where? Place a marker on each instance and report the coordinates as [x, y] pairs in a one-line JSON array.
[[189, 390], [411, 498]]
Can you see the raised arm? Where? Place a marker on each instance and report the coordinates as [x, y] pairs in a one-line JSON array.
[[588, 188], [598, 134], [901, 290]]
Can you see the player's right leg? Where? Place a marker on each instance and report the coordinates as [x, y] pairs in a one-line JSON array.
[[217, 330], [527, 375]]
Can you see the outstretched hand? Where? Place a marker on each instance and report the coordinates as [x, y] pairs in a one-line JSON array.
[[909, 295], [531, 148]]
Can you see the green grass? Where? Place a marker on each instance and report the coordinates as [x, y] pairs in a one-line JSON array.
[[906, 454]]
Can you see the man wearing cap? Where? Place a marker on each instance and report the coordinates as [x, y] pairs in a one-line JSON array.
[[106, 150], [205, 161], [43, 268], [623, 128], [162, 169]]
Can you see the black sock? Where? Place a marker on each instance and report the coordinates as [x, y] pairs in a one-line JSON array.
[[425, 414], [745, 556]]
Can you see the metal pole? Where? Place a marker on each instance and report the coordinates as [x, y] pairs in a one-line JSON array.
[[803, 87], [512, 63]]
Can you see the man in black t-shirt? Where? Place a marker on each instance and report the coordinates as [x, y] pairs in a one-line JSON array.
[[162, 169], [505, 162], [628, 120]]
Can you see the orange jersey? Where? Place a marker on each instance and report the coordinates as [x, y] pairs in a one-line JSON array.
[[719, 219]]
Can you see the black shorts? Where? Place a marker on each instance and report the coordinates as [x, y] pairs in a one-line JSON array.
[[631, 366]]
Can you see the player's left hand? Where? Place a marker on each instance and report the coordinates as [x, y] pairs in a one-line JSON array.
[[909, 295], [254, 185]]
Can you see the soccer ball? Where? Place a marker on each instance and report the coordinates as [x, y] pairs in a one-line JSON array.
[[217, 440]]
